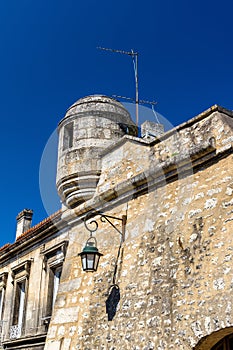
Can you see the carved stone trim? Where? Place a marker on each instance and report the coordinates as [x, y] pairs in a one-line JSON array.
[[3, 279], [55, 255], [21, 271], [62, 245]]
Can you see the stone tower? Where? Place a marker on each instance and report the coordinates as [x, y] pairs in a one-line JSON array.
[[91, 125]]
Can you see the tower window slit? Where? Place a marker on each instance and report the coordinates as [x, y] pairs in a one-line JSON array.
[[68, 136]]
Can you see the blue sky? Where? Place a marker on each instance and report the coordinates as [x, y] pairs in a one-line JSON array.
[[49, 59]]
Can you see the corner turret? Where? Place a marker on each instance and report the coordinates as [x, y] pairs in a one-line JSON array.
[[90, 125]]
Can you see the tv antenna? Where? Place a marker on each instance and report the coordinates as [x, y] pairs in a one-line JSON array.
[[134, 56], [141, 102]]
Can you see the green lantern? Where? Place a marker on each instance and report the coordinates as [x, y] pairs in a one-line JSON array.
[[90, 256]]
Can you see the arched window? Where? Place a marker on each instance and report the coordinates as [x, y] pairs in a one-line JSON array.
[[224, 344]]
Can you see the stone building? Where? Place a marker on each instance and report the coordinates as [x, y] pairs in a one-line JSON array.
[[161, 209]]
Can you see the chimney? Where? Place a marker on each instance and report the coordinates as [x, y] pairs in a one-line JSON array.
[[24, 220], [151, 130]]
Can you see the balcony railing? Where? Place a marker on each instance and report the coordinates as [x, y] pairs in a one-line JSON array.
[[15, 331]]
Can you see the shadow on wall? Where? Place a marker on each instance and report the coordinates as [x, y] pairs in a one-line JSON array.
[[112, 301]]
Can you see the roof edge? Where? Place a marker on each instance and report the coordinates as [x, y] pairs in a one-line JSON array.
[[31, 231]]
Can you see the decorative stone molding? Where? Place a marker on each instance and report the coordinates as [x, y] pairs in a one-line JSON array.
[[21, 271], [3, 280], [55, 255]]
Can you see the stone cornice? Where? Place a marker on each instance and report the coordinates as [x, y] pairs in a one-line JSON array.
[[38, 340], [194, 120]]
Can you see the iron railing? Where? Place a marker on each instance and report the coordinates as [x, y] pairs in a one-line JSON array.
[[15, 331]]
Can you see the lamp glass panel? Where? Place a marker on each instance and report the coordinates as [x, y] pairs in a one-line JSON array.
[[90, 261], [96, 262], [84, 262]]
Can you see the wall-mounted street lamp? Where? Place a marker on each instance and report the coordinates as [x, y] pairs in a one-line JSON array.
[[90, 255]]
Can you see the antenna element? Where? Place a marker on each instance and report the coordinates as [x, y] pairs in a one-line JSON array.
[[134, 56]]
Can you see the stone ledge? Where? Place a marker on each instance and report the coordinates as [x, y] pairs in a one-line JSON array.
[[140, 183]]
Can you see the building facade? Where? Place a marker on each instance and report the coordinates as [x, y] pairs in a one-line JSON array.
[[161, 209]]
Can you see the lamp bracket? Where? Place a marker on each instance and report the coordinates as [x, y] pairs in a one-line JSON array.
[[92, 225]]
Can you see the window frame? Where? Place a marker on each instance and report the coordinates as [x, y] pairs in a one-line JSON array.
[[20, 275], [68, 136], [19, 303], [3, 282], [53, 259]]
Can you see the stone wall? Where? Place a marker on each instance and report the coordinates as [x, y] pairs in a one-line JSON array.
[[175, 267]]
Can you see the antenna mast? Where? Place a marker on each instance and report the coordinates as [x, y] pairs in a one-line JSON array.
[[134, 56]]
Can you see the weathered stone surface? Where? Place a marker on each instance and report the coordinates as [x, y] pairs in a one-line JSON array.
[[90, 125], [174, 275]]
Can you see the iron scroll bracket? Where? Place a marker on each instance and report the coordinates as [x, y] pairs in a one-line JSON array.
[[92, 225]]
